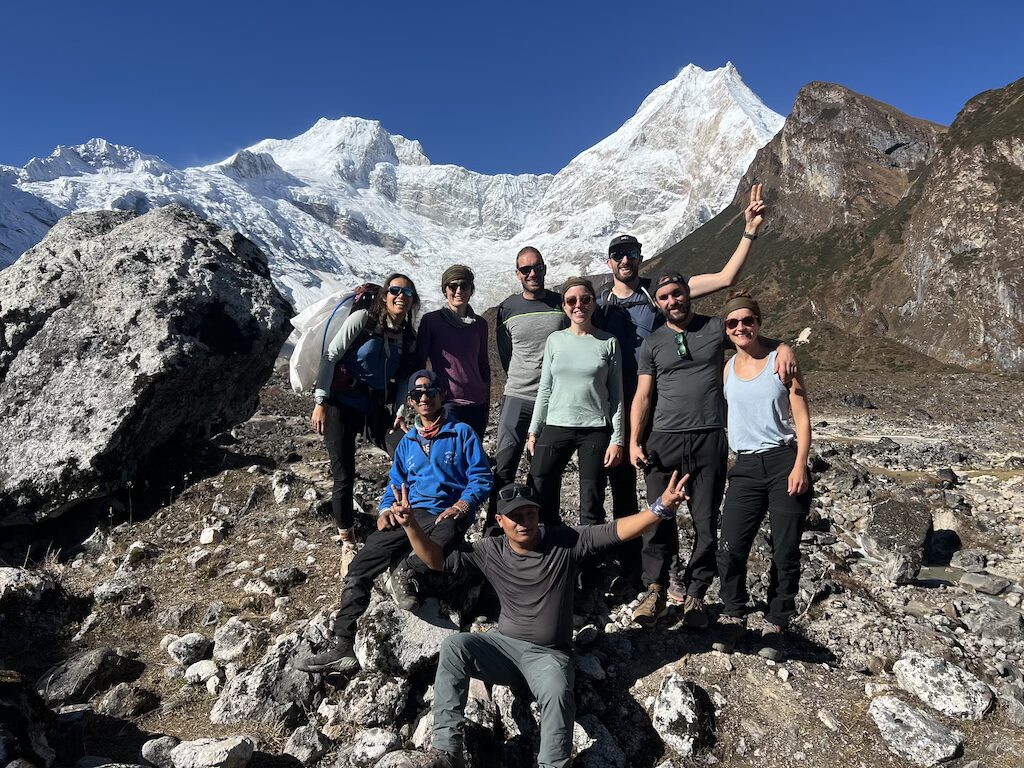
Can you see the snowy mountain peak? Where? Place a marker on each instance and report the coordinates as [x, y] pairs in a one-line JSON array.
[[346, 201], [94, 156]]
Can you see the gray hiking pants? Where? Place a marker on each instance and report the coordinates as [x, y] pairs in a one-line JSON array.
[[495, 658]]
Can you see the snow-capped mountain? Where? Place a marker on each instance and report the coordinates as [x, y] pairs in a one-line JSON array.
[[347, 201]]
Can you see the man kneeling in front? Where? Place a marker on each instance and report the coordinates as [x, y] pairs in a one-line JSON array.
[[533, 571]]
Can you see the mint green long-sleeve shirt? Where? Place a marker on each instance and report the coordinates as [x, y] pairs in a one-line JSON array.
[[580, 383]]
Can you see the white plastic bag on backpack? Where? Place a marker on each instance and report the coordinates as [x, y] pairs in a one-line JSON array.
[[316, 324]]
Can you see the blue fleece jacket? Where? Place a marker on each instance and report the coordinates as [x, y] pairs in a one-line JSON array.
[[457, 468]]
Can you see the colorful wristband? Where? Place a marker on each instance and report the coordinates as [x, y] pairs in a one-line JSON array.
[[660, 510]]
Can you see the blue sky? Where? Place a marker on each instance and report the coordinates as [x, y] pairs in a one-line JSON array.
[[515, 87]]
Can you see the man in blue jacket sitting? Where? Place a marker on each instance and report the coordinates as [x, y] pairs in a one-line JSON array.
[[443, 465]]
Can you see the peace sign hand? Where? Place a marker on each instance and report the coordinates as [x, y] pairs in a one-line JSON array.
[[401, 509], [753, 214]]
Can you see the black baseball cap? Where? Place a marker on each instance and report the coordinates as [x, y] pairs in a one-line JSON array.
[[516, 496], [623, 242], [433, 379]]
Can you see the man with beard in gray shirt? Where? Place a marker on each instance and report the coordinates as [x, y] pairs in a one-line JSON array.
[[533, 570]]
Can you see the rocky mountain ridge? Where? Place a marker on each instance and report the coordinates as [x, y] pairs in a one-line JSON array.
[[884, 226], [347, 201]]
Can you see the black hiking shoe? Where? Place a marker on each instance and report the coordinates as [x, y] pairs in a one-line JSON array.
[[731, 629], [337, 659], [405, 588], [695, 613]]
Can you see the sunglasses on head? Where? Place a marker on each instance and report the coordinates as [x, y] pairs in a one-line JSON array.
[[618, 256], [510, 492], [528, 268], [747, 322], [419, 392], [397, 290], [584, 301], [460, 285]]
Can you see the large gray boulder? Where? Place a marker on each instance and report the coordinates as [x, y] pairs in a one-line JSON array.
[[912, 734], [393, 640], [896, 535], [75, 680], [943, 686], [122, 336], [683, 715]]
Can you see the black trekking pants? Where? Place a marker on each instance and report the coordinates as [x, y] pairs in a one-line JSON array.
[[555, 446], [382, 550], [344, 424], [758, 483], [702, 454], [513, 429]]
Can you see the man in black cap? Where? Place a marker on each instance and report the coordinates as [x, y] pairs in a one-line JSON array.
[[680, 373], [630, 313], [533, 570], [445, 476]]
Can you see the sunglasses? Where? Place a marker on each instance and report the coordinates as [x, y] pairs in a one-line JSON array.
[[618, 256], [747, 322], [397, 290], [429, 392], [584, 301], [681, 348], [528, 268], [459, 286], [510, 492]]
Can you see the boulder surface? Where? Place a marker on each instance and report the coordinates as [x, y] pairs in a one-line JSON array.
[[122, 336]]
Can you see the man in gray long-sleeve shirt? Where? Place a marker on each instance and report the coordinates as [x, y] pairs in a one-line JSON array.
[[533, 570], [524, 322]]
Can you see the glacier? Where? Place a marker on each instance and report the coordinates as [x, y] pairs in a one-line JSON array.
[[347, 201]]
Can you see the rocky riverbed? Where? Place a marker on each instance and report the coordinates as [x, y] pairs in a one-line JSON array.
[[164, 636]]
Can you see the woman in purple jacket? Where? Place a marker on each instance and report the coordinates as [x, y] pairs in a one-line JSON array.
[[453, 340]]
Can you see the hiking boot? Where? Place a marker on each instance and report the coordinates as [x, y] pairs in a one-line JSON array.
[[338, 659], [770, 647], [404, 587], [695, 613], [349, 550], [651, 607], [437, 758], [676, 589], [624, 588], [731, 629]]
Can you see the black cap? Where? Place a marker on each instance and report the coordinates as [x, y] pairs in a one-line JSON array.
[[433, 379], [623, 242], [516, 496]]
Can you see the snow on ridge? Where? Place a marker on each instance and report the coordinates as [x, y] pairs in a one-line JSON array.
[[347, 201]]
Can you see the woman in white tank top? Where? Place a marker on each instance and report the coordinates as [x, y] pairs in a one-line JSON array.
[[769, 427]]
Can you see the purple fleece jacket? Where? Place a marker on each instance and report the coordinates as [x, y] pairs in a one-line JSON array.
[[457, 354]]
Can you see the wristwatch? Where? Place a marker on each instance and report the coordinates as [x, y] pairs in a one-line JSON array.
[[319, 399]]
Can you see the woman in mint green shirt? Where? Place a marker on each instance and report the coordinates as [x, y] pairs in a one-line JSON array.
[[578, 408]]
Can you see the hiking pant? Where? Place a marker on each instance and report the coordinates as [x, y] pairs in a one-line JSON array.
[[500, 660], [344, 423], [758, 483], [702, 454], [473, 415], [382, 550], [555, 446], [513, 429]]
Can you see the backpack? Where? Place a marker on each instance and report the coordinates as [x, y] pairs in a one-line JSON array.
[[317, 325]]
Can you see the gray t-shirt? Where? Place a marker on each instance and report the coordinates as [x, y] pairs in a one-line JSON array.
[[535, 589], [521, 331], [688, 388]]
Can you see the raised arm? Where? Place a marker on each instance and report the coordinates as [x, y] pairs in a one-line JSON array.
[[663, 509], [753, 217]]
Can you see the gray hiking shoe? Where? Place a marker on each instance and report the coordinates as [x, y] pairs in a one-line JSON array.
[[731, 629], [405, 587], [772, 637], [338, 659], [436, 758]]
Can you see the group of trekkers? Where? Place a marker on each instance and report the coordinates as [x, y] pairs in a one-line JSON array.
[[629, 378]]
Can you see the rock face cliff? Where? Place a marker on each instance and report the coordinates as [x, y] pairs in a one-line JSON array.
[[886, 226], [122, 335]]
